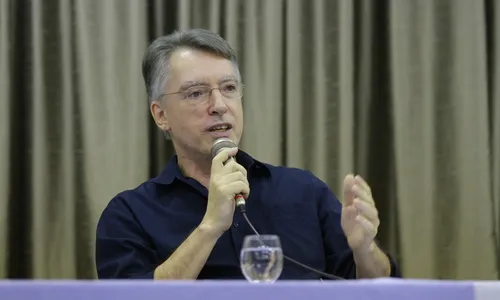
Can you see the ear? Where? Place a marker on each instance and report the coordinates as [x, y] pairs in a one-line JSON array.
[[159, 115]]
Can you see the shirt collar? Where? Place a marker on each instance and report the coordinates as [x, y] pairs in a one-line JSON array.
[[172, 170]]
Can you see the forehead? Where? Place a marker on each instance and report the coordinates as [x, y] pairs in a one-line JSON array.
[[189, 64]]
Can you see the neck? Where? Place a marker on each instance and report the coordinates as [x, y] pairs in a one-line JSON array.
[[198, 169]]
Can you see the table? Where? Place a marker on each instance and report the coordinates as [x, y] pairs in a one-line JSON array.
[[378, 289]]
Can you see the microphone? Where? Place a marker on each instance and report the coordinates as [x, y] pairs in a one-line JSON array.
[[219, 145], [224, 143]]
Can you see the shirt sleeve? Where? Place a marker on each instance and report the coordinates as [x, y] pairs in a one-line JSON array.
[[123, 250], [339, 257]]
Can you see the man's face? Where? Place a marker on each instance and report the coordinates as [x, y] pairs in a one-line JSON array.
[[192, 119]]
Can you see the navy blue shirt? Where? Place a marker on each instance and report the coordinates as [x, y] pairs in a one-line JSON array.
[[140, 228]]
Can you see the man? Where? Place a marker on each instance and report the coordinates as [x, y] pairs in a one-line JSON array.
[[183, 223]]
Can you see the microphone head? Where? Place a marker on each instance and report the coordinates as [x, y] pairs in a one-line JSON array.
[[221, 144]]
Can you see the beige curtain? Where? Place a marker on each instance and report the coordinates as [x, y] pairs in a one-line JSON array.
[[446, 121], [403, 92], [84, 118]]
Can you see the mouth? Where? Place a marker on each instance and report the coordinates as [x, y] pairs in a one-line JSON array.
[[223, 127]]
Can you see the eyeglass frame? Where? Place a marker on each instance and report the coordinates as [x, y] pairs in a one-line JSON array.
[[210, 90]]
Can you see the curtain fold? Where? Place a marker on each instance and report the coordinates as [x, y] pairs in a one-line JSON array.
[[84, 120], [440, 111], [493, 29], [5, 137], [404, 93], [113, 104]]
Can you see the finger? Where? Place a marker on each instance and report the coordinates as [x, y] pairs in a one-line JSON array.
[[348, 193], [362, 194], [369, 228], [349, 213], [221, 158], [237, 187], [232, 166], [368, 211], [359, 180], [233, 177]]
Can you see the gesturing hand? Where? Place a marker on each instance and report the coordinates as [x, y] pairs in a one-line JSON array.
[[359, 218]]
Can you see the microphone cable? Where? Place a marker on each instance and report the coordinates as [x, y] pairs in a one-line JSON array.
[[325, 275]]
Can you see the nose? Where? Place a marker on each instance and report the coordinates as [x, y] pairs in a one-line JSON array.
[[217, 104]]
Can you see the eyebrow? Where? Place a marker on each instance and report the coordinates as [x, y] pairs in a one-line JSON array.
[[188, 84]]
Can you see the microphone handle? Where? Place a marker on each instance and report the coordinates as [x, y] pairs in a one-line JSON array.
[[239, 199]]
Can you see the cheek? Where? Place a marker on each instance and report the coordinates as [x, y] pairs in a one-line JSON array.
[[236, 110], [191, 120]]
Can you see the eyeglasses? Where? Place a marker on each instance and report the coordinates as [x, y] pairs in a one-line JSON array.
[[202, 93]]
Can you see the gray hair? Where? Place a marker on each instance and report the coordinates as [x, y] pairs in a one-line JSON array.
[[156, 59]]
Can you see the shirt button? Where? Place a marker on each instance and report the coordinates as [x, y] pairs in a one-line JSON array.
[[236, 225]]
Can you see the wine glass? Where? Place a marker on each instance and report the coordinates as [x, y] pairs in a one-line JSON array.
[[261, 258]]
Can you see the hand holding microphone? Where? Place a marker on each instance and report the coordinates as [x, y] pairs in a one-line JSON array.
[[218, 146], [227, 180]]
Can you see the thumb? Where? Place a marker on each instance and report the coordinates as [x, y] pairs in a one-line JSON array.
[[221, 158], [348, 193]]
